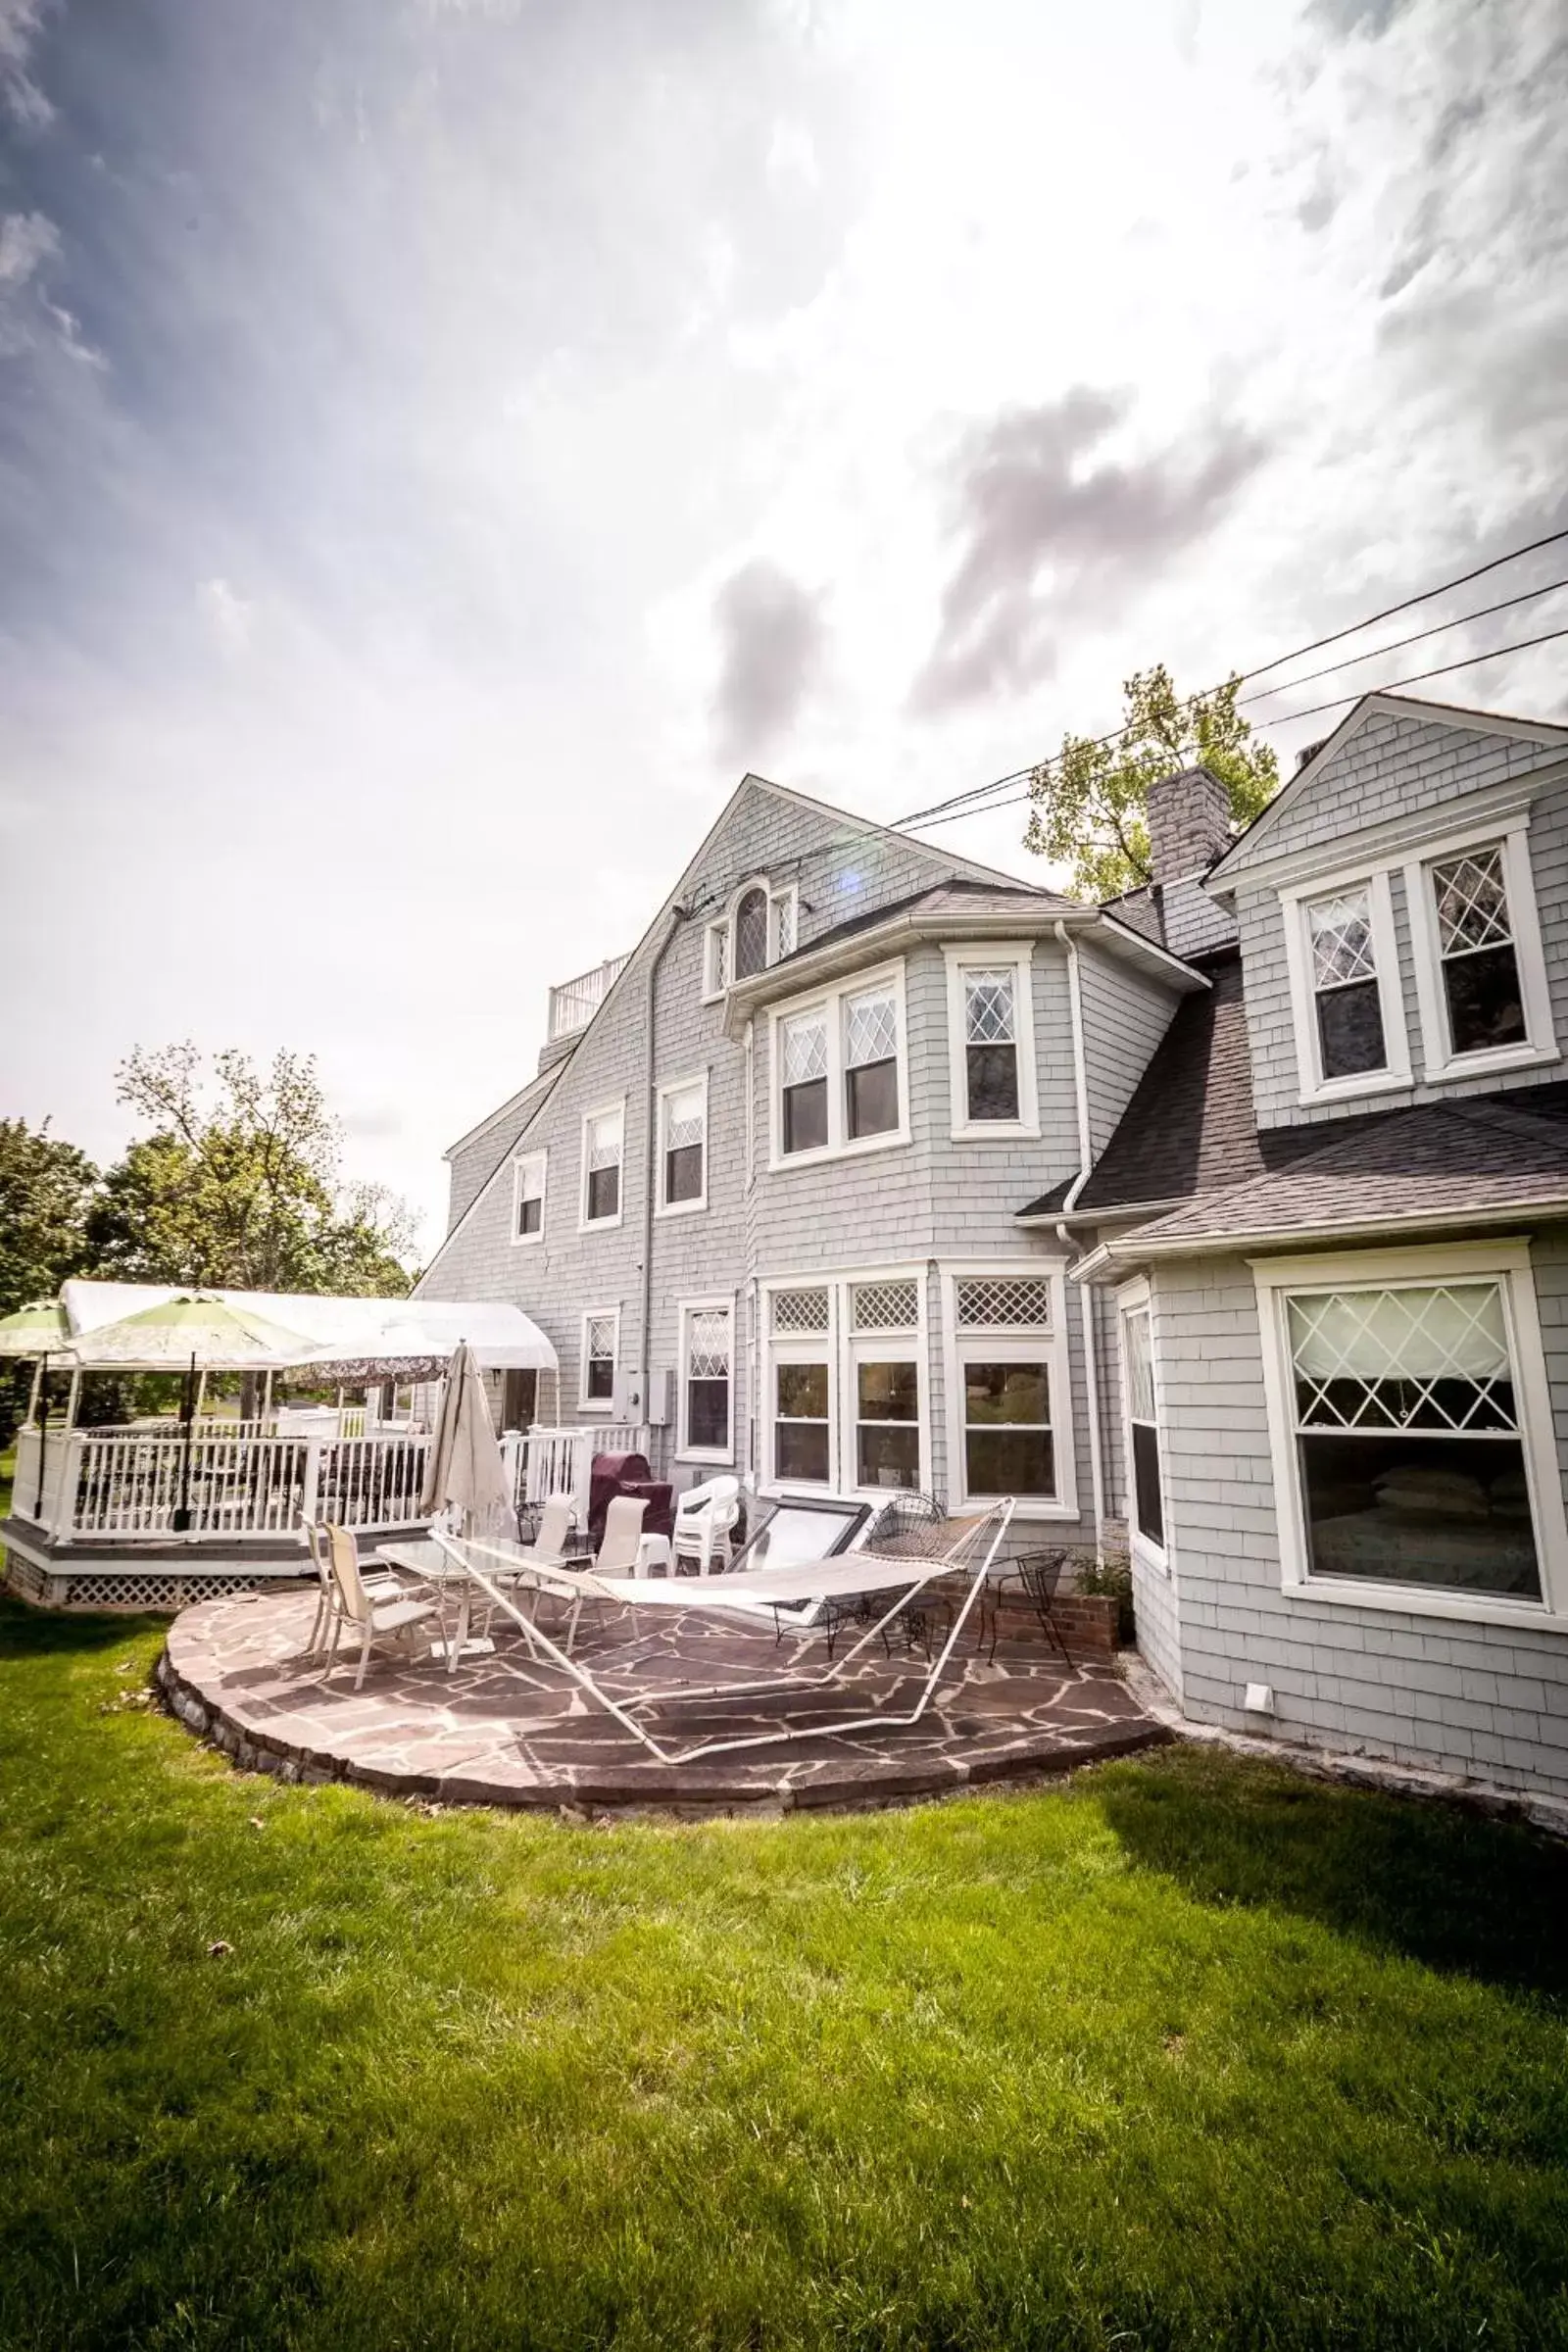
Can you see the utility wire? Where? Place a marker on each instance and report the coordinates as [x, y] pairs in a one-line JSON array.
[[958, 801], [1400, 643]]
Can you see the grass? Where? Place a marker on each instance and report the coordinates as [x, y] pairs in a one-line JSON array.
[[1187, 2053]]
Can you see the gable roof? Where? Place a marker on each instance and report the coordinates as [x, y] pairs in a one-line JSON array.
[[1479, 1157], [1385, 706]]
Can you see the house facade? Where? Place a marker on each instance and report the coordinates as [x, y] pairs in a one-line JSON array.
[[1228, 1222]]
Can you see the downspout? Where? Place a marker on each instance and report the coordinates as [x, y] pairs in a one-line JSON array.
[[678, 915], [1086, 1162]]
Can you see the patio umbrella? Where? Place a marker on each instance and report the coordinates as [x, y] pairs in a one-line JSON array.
[[464, 1470], [194, 1333], [33, 1330]]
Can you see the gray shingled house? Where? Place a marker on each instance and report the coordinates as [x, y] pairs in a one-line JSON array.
[[1226, 1222]]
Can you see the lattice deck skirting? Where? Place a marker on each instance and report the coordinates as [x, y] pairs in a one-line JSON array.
[[129, 1590]]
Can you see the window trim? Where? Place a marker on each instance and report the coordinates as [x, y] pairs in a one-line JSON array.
[[829, 1001], [678, 1086], [1312, 1085], [585, 1223], [842, 1348], [1136, 1298], [1509, 1264], [722, 925], [795, 1347], [1539, 1042], [522, 1161], [976, 956], [600, 1405], [1018, 1347], [685, 1450]]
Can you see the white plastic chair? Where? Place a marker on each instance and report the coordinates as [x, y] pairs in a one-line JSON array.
[[703, 1517], [357, 1613]]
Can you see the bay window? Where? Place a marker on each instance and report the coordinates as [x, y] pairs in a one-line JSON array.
[[1006, 1376], [840, 1081], [800, 1324], [1411, 1425], [885, 1361]]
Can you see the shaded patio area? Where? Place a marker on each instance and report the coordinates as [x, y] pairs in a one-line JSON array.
[[505, 1730]]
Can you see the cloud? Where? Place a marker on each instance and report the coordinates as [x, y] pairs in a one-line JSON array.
[[1053, 536], [19, 23], [228, 615], [773, 645]]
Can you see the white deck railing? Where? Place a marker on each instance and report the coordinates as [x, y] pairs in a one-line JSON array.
[[126, 1484], [551, 1462], [573, 1003]]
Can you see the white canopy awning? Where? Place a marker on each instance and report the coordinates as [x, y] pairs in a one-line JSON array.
[[384, 1331]]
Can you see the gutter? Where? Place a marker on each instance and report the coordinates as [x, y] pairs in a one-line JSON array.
[[677, 916], [1075, 1000]]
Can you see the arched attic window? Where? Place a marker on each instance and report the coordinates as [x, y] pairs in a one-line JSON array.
[[751, 934]]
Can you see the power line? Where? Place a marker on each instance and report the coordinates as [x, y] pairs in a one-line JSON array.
[[1400, 643], [960, 801], [1442, 670]]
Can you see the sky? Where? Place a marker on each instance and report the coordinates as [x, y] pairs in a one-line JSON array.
[[444, 443]]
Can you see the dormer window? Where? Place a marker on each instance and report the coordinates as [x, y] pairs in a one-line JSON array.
[[1345, 986], [757, 929], [1343, 964], [1475, 940], [1475, 946]]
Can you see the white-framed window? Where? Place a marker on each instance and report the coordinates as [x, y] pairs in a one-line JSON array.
[[706, 1428], [1347, 1007], [1481, 973], [1007, 1379], [683, 1146], [528, 1196], [601, 1351], [839, 1077], [1142, 1450], [604, 1149], [991, 1046], [757, 929], [1410, 1423], [845, 1394]]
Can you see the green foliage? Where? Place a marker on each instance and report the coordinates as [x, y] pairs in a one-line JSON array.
[[1112, 1576], [46, 1188], [238, 1185], [1089, 801], [1188, 2053]]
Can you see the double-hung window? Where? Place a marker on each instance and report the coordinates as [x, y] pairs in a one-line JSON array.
[[1005, 1374], [528, 1198], [801, 1368], [683, 1146], [1145, 1495], [1412, 1425], [885, 1352], [1480, 977], [600, 1335], [708, 1341], [603, 1137], [840, 1081], [1345, 986], [991, 1042]]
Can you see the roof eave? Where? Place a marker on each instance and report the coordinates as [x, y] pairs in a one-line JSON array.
[[1135, 1247]]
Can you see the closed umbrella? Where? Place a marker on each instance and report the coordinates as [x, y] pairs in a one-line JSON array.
[[464, 1471], [194, 1333]]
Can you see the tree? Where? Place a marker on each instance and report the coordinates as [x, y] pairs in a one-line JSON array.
[[1089, 801], [46, 1189], [239, 1186]]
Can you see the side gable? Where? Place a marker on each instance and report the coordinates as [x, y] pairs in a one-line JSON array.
[[1391, 755]]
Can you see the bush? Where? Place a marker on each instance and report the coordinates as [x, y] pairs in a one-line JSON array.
[[1113, 1576]]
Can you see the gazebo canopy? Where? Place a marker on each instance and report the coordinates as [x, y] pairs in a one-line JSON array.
[[346, 1339]]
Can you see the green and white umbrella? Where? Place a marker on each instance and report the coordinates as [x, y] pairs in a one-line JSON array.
[[195, 1331], [33, 1330]]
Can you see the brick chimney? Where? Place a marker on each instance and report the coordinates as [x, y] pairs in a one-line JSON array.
[[1189, 824]]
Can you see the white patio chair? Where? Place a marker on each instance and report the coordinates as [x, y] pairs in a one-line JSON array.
[[703, 1517], [357, 1613], [547, 1550], [381, 1584]]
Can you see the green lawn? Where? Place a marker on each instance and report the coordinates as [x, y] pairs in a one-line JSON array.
[[1188, 2053]]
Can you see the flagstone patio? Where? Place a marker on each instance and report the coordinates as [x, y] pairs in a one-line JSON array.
[[503, 1730]]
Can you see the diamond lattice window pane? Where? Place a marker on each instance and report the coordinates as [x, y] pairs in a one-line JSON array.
[[870, 1029], [988, 1009], [1422, 1358], [784, 918], [707, 1345], [604, 1142], [531, 1180], [600, 1337], [751, 934], [805, 1047], [885, 1305], [684, 1118], [1472, 902], [1005, 1302], [799, 1311], [1140, 1365], [1342, 939], [718, 955]]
